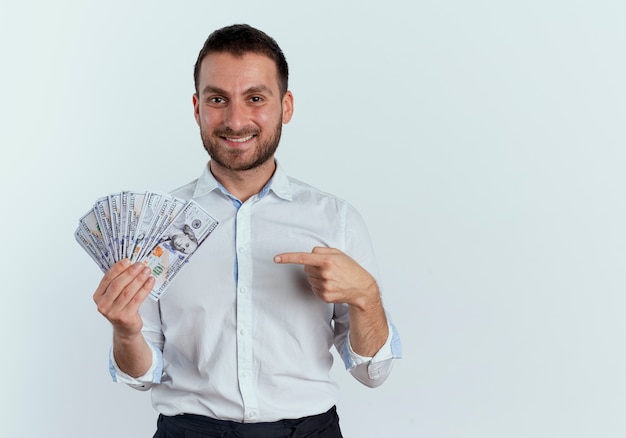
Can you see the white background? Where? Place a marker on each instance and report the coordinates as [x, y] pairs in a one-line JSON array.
[[482, 141]]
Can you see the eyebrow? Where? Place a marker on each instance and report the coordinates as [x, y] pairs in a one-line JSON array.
[[254, 89]]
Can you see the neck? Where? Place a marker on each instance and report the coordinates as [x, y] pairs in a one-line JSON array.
[[243, 184]]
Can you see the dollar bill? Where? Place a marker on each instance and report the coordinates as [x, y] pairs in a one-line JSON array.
[[123, 224], [103, 216], [115, 209], [157, 229], [91, 230], [135, 205], [147, 224], [169, 210], [83, 240], [178, 242]]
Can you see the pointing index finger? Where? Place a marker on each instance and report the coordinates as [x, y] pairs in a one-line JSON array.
[[298, 258]]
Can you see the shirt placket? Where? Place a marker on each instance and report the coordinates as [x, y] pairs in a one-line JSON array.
[[245, 370]]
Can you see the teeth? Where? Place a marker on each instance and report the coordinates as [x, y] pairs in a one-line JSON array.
[[240, 140]]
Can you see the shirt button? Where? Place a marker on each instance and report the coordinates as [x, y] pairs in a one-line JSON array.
[[243, 332], [252, 414], [243, 289]]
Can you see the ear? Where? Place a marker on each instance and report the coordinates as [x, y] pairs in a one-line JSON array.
[[287, 107], [196, 107]]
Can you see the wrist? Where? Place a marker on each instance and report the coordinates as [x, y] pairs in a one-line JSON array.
[[367, 299], [124, 338]]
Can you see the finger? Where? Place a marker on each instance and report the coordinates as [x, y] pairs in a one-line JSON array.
[[110, 275], [325, 250], [124, 285], [298, 258], [313, 271], [137, 289], [125, 294]]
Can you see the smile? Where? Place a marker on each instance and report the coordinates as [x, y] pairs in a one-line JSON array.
[[239, 140]]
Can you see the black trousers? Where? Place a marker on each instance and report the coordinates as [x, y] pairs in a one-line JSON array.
[[324, 425]]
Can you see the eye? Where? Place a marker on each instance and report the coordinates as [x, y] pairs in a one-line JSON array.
[[216, 100], [256, 99]]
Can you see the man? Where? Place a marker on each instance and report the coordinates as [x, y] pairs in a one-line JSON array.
[[240, 343]]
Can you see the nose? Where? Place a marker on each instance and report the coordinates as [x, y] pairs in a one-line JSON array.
[[236, 116]]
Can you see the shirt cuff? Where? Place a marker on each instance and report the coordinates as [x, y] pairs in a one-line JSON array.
[[153, 375], [391, 349]]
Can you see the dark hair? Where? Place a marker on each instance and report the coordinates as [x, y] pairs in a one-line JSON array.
[[239, 39]]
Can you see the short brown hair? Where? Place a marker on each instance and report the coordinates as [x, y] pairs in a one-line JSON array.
[[239, 39]]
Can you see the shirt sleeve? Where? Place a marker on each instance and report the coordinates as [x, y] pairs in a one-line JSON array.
[[141, 383], [150, 315], [371, 371]]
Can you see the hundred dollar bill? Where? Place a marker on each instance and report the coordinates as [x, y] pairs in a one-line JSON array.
[[147, 222], [103, 215], [91, 229], [123, 224], [171, 209], [176, 245], [168, 209], [83, 240], [156, 227], [135, 205], [115, 206]]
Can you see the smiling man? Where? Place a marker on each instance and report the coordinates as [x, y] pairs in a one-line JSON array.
[[240, 344]]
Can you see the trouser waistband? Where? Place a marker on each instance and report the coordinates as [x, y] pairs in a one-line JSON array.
[[324, 425]]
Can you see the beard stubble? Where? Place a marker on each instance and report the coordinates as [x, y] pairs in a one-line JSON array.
[[231, 159]]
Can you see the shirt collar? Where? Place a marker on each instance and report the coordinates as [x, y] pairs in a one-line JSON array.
[[279, 184]]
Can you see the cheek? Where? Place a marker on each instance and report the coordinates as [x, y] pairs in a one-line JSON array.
[[263, 118], [269, 117], [208, 120]]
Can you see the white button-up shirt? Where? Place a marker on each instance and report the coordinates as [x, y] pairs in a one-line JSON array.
[[239, 337]]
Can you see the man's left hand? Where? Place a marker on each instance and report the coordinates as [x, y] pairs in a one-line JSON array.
[[334, 276]]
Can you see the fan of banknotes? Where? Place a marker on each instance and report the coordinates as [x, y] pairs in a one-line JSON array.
[[157, 229]]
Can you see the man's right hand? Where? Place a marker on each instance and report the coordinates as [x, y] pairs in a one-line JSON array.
[[120, 294]]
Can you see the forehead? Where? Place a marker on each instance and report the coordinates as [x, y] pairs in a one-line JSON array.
[[235, 73]]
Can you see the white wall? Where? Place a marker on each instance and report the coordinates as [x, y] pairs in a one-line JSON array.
[[482, 141]]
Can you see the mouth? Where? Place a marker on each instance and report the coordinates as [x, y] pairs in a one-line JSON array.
[[239, 139]]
